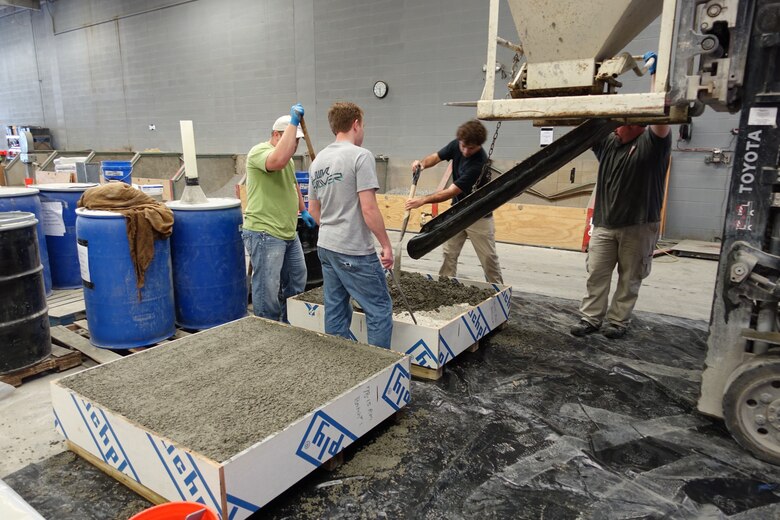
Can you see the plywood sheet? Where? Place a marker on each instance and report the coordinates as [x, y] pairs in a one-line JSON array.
[[548, 226], [529, 224], [698, 249], [46, 177]]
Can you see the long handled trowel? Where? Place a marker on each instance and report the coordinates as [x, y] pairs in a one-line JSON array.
[[397, 282], [398, 248]]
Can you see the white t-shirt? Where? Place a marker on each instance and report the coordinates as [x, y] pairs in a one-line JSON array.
[[337, 175]]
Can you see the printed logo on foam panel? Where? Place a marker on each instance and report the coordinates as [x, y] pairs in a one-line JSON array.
[[323, 439], [476, 324], [184, 474], [504, 300], [311, 308], [118, 446], [445, 352], [396, 392], [237, 506], [422, 355], [102, 434]]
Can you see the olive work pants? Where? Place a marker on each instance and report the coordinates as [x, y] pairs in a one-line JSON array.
[[631, 249], [483, 237]]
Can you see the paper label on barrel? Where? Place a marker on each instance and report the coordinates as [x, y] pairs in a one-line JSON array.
[[84, 262], [53, 224]]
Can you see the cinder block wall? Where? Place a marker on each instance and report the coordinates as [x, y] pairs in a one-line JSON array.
[[98, 72]]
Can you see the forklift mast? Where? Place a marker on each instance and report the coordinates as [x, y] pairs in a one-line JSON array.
[[741, 379]]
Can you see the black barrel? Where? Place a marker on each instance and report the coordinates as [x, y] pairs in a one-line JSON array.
[[308, 237], [24, 318]]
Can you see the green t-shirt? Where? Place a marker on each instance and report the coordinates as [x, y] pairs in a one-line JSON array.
[[271, 197]]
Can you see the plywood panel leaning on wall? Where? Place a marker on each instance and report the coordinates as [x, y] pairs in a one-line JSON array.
[[527, 224]]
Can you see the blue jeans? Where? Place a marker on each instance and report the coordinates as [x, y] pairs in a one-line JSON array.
[[363, 278], [278, 272]]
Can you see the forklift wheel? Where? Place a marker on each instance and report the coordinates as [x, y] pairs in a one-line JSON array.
[[751, 409]]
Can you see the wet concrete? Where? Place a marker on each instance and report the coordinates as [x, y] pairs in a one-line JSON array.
[[423, 293], [539, 424], [220, 391]]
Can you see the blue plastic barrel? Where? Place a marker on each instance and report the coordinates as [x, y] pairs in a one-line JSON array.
[[209, 267], [117, 171], [26, 199], [116, 317], [59, 224], [303, 182]]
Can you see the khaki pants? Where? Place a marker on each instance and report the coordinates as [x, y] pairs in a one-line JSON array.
[[631, 249], [483, 237]]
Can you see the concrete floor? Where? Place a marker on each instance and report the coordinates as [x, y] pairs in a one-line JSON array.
[[677, 286]]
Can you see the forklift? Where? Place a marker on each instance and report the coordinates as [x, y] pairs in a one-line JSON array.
[[724, 54]]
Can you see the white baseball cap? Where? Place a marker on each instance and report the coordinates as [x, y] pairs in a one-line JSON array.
[[281, 124]]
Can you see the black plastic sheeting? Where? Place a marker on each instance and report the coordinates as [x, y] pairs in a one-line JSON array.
[[67, 487], [536, 424], [540, 424]]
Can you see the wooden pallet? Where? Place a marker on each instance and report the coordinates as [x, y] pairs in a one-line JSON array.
[[698, 249], [428, 374], [80, 328], [66, 306], [60, 359], [61, 335]]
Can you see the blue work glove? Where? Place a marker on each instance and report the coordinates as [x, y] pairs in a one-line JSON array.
[[308, 219], [649, 55], [296, 113]]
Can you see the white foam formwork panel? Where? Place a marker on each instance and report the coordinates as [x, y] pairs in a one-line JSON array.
[[429, 347], [248, 480]]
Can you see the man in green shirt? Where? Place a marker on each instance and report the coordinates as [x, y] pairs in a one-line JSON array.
[[271, 217]]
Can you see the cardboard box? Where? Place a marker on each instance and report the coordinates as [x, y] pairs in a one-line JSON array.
[[429, 347], [162, 469], [47, 177]]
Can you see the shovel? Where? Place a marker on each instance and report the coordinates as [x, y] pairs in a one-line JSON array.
[[306, 137], [398, 249], [397, 282]]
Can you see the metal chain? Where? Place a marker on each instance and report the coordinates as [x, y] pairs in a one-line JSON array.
[[493, 143], [484, 177]]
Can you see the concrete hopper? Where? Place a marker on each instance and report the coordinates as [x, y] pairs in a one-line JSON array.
[[564, 40]]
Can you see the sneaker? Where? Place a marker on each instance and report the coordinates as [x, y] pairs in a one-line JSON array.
[[583, 328], [613, 331]]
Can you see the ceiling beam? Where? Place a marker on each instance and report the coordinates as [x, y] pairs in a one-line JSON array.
[[23, 4]]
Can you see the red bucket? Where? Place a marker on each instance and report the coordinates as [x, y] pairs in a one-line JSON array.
[[176, 511]]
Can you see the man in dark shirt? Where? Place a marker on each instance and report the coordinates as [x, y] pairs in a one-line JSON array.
[[468, 159], [629, 195]]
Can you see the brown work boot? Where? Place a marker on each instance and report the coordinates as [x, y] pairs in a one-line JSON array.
[[613, 331], [583, 328]]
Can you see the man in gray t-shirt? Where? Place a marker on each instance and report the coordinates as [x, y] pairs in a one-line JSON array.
[[342, 198]]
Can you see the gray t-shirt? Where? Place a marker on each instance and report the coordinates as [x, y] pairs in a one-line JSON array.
[[338, 174]]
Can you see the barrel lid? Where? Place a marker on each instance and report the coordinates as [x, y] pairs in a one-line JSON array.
[[66, 186], [215, 203], [12, 191], [98, 213], [16, 219]]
